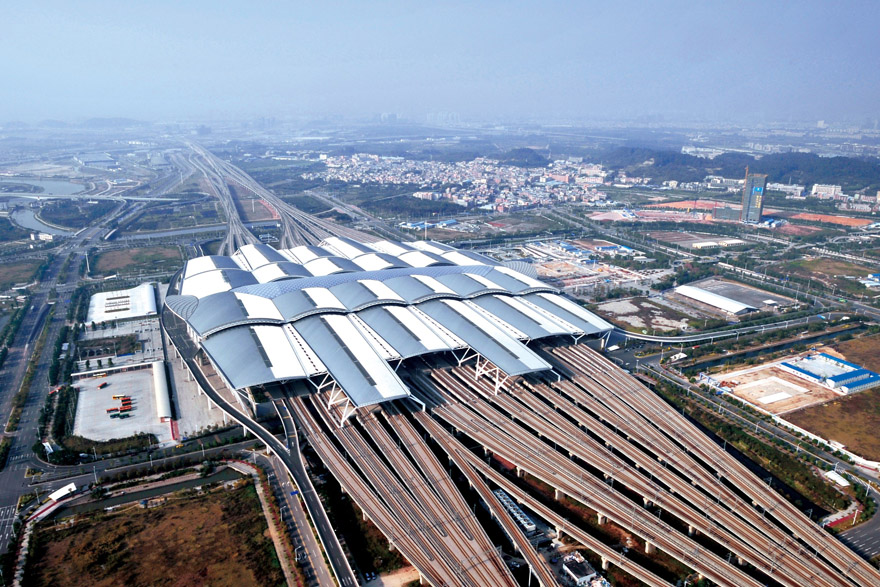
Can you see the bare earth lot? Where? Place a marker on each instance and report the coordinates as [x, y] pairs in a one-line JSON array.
[[864, 351], [12, 273], [855, 419], [220, 538], [767, 386], [642, 314], [852, 420]]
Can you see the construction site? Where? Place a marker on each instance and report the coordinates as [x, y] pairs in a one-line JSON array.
[[774, 389]]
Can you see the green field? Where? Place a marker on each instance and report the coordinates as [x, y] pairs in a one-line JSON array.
[[11, 232], [830, 273], [138, 260], [177, 215], [75, 213]]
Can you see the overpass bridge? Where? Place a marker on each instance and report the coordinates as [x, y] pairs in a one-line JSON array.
[[714, 335]]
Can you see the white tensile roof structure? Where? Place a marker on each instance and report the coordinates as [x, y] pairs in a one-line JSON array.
[[713, 299], [123, 304], [262, 317]]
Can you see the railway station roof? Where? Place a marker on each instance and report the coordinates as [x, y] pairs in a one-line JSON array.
[[346, 309], [251, 257], [485, 337]]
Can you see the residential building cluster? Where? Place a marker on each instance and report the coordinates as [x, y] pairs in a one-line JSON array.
[[480, 183]]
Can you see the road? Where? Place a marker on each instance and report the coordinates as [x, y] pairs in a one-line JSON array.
[[720, 334], [864, 538], [308, 551]]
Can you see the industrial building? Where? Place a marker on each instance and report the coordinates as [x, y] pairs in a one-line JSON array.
[[753, 197], [344, 314], [714, 301], [578, 569], [745, 294], [126, 304], [515, 511], [833, 372]]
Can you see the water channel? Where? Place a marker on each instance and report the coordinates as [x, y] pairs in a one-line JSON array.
[[25, 216], [227, 474]]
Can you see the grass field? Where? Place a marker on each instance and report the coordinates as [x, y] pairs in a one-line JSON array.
[[180, 215], [135, 260], [219, 538], [829, 272], [13, 273]]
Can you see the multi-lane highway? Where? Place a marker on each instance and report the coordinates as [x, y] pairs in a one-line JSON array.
[[298, 227]]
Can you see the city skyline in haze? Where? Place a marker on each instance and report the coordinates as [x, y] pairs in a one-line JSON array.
[[496, 60]]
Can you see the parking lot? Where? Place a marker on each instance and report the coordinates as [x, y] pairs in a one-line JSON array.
[[195, 412], [93, 421]]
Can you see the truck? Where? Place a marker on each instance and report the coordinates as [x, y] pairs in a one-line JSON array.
[[111, 410], [103, 385]]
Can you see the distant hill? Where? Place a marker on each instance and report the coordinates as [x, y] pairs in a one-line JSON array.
[[112, 123], [524, 157], [802, 168]]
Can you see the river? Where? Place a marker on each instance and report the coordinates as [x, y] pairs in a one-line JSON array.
[[51, 187], [26, 218]]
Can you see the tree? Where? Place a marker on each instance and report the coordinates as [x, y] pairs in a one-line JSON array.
[[100, 363]]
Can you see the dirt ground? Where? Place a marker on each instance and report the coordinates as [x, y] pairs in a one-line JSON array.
[[128, 259], [832, 219], [219, 538], [641, 313], [13, 273], [798, 229], [767, 381], [693, 205], [561, 269], [255, 210], [864, 351], [852, 420]]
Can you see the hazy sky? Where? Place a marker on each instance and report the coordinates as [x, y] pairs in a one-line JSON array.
[[538, 60]]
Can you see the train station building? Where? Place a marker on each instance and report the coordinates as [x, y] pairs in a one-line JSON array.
[[344, 315]]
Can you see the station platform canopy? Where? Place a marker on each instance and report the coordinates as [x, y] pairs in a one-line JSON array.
[[344, 314]]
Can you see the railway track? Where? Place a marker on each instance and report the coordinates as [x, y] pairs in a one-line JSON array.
[[628, 395], [518, 446], [465, 459]]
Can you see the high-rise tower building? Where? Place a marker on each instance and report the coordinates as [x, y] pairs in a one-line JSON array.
[[753, 197]]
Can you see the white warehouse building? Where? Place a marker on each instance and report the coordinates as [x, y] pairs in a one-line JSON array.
[[714, 300]]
